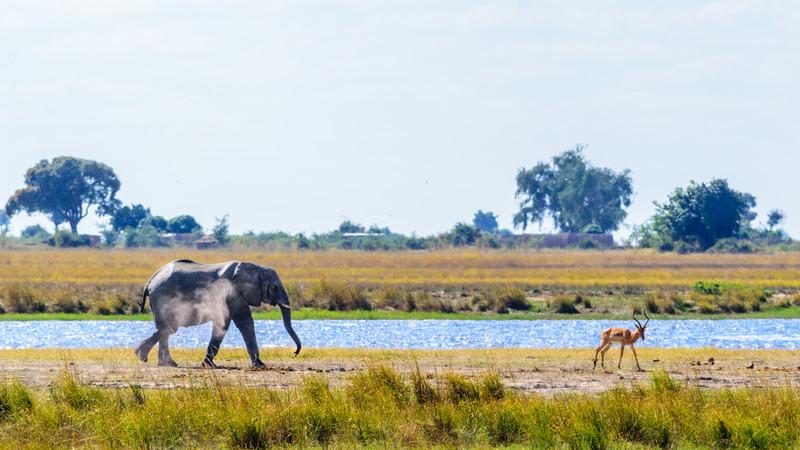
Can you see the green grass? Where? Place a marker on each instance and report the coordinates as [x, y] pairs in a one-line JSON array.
[[790, 312], [380, 407]]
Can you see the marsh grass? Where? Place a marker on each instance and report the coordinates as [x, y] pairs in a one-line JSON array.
[[464, 281], [382, 407]]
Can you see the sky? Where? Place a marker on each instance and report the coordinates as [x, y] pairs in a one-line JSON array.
[[296, 115]]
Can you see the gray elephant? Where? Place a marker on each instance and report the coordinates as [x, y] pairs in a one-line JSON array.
[[185, 293]]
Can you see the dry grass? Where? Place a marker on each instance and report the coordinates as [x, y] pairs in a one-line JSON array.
[[451, 268], [110, 282]]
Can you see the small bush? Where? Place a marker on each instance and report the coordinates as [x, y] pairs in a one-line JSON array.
[[316, 389], [651, 305], [114, 305], [563, 305], [706, 307], [423, 392], [491, 388], [67, 389], [458, 389], [339, 296], [66, 305], [18, 298], [379, 384], [588, 244], [513, 298], [14, 399]]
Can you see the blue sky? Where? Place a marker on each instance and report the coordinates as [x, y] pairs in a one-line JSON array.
[[295, 115]]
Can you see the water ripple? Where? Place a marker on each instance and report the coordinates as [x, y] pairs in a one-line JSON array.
[[414, 334]]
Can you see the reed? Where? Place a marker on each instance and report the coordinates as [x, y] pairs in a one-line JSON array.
[[106, 282]]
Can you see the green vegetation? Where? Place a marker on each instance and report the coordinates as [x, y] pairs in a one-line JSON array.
[[709, 217], [578, 196], [65, 189], [384, 408]]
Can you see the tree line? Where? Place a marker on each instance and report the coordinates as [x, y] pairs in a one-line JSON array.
[[577, 196]]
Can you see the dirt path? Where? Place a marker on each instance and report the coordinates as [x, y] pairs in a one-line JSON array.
[[544, 372]]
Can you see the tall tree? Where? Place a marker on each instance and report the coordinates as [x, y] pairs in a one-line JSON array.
[[5, 221], [574, 193], [774, 218], [65, 189], [128, 216], [701, 214], [349, 227], [183, 224], [485, 221]]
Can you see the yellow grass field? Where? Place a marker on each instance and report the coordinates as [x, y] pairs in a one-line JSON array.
[[435, 269]]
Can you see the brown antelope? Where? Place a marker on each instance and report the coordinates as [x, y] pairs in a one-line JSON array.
[[624, 337]]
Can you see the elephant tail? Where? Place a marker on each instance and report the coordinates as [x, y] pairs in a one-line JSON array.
[[145, 294]]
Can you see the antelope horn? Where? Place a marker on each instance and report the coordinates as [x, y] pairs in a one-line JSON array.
[[635, 319], [648, 318]]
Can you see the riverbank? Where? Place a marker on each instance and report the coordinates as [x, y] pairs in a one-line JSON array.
[[346, 398], [541, 371], [788, 312]]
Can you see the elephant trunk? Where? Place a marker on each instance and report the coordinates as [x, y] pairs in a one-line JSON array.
[[286, 312]]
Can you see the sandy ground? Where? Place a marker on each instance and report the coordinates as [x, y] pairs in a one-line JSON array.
[[542, 371]]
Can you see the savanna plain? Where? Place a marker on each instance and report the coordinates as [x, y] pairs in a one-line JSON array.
[[326, 397]]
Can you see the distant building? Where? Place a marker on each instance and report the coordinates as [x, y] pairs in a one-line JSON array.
[[562, 240], [206, 242]]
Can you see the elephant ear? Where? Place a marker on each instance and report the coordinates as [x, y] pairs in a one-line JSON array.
[[247, 281]]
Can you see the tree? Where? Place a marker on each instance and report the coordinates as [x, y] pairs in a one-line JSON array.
[[220, 230], [464, 234], [349, 227], [157, 222], [65, 189], [774, 218], [375, 229], [183, 224], [701, 214], [36, 232], [574, 193], [129, 216], [5, 221], [485, 221]]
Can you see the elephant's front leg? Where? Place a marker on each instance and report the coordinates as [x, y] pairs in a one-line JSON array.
[[217, 335], [246, 326]]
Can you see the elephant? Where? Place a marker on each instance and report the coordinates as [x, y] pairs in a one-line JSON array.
[[185, 293]]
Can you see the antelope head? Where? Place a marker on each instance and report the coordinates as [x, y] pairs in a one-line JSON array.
[[639, 326]]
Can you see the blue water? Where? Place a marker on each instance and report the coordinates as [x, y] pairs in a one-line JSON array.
[[418, 334]]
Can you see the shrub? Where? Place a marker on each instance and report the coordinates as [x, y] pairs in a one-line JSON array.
[[393, 298], [14, 399], [491, 388], [114, 305], [423, 392], [458, 389], [379, 384], [513, 298], [64, 238], [18, 298], [64, 304], [651, 305], [339, 296], [563, 305]]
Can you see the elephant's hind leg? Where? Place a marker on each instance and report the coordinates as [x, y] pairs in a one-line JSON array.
[[144, 348], [164, 358], [217, 334]]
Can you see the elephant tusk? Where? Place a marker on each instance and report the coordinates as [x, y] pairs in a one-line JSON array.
[[284, 306]]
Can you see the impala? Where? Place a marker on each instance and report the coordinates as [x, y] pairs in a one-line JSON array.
[[624, 337]]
